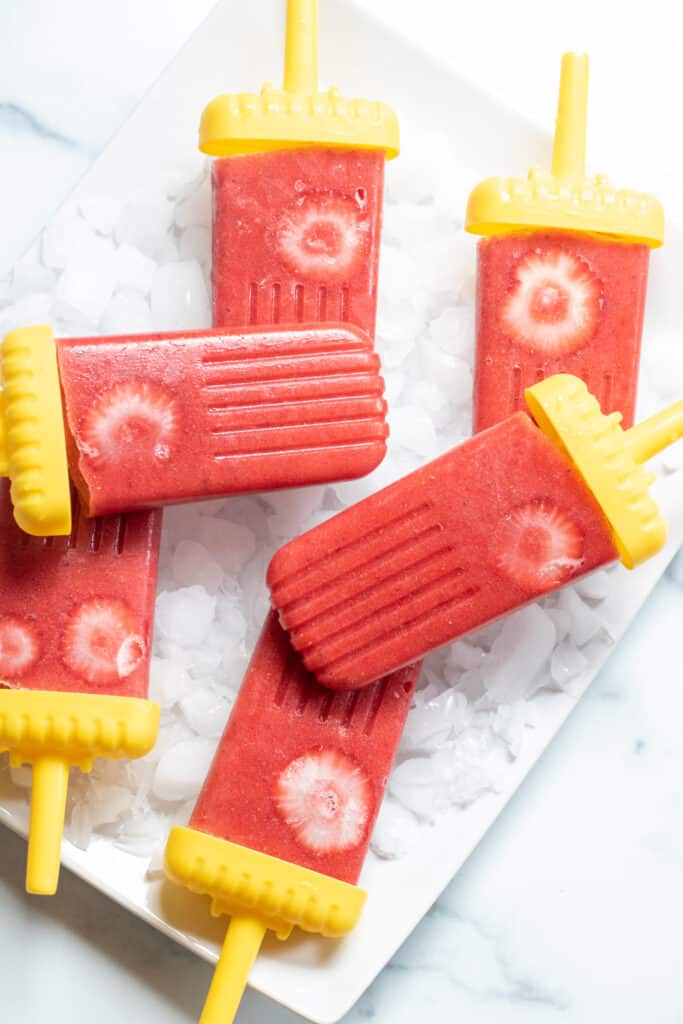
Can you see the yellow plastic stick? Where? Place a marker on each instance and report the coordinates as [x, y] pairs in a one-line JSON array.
[[653, 435], [569, 149], [48, 804], [240, 949], [301, 47]]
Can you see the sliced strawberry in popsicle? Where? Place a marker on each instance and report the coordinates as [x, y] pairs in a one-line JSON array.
[[102, 642], [322, 236], [555, 303], [18, 647], [134, 417], [326, 798], [538, 546]]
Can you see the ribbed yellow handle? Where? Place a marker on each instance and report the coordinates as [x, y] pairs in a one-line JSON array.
[[240, 949], [569, 149], [301, 46], [48, 805], [4, 465], [656, 433]]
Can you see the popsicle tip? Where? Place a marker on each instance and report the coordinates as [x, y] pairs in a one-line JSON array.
[[569, 148], [48, 805]]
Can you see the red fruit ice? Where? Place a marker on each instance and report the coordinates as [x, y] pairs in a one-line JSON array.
[[550, 302], [168, 418], [301, 770], [480, 531], [296, 236], [76, 612]]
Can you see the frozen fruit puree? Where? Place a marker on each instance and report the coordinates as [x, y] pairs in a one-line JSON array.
[[76, 612], [296, 236], [562, 273], [75, 642], [550, 301], [300, 771], [282, 825], [517, 511], [156, 419], [297, 194]]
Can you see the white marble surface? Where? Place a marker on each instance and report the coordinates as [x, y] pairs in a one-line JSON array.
[[571, 908]]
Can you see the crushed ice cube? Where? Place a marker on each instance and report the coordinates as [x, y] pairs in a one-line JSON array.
[[412, 428], [89, 278], [231, 544], [168, 682], [179, 300], [181, 770], [101, 212], [509, 723], [520, 651], [134, 270], [185, 615], [433, 721], [65, 232], [192, 564], [145, 225], [29, 278], [196, 208], [585, 622], [126, 313], [567, 662], [396, 831], [206, 713], [195, 244], [594, 586]]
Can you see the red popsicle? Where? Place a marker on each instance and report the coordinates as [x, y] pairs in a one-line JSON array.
[[513, 513], [562, 273], [297, 194], [156, 419], [75, 640], [282, 825]]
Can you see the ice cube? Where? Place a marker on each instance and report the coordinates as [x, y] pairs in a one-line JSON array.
[[196, 208], [433, 721], [206, 713], [509, 723], [418, 786], [396, 831], [413, 178], [562, 621], [184, 616], [32, 309], [101, 212], [291, 508], [126, 313], [182, 769], [145, 225], [180, 301], [168, 682], [452, 331], [108, 803], [412, 428], [195, 244], [66, 231], [21, 775], [464, 655], [192, 564], [408, 224], [89, 279], [567, 662], [231, 544], [585, 623], [518, 654], [134, 270], [230, 615], [466, 772], [595, 586]]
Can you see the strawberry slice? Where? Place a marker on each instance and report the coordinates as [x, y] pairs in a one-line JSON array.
[[322, 236], [132, 418], [538, 546], [555, 303], [101, 643], [18, 647], [325, 797]]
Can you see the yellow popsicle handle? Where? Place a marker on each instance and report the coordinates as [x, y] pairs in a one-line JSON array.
[[240, 949], [655, 434], [4, 461], [301, 47], [569, 149], [48, 805]]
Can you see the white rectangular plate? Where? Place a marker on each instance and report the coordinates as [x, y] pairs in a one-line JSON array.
[[238, 47]]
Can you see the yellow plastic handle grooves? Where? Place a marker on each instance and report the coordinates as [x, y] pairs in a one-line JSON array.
[[569, 149], [4, 458], [653, 435], [48, 806], [301, 47], [240, 949]]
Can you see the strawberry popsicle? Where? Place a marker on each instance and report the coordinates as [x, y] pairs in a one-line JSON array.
[[562, 273], [157, 419], [297, 194], [515, 512], [75, 638], [282, 825]]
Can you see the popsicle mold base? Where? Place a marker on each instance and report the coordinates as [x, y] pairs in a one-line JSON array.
[[32, 440], [244, 881], [608, 458], [259, 892], [54, 731]]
